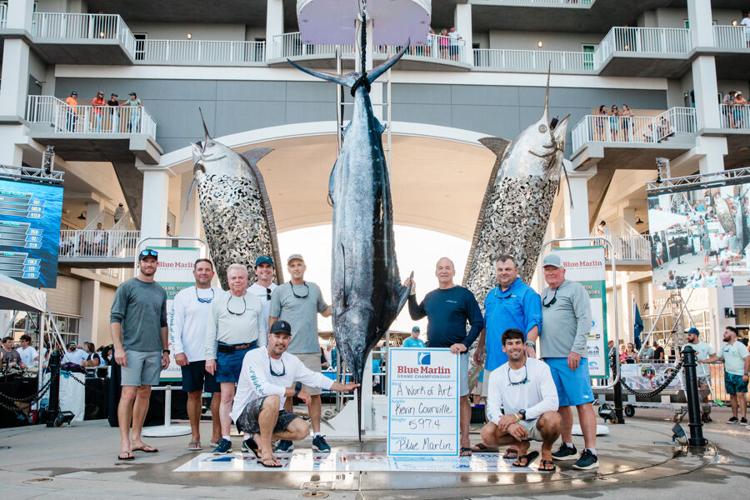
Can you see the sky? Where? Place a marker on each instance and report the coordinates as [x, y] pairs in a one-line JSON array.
[[416, 249]]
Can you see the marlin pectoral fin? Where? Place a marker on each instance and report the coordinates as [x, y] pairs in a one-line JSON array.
[[346, 80], [379, 70], [497, 145], [189, 197], [567, 182], [253, 156]]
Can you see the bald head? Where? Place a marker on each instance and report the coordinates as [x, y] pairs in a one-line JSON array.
[[445, 272]]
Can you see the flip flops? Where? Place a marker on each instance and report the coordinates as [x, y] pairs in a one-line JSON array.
[[194, 446], [510, 454], [465, 452], [528, 459], [146, 449], [270, 463], [483, 448], [547, 466], [126, 455]]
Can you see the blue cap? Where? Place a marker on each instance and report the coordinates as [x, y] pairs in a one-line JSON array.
[[553, 260], [281, 326], [692, 330], [264, 259]]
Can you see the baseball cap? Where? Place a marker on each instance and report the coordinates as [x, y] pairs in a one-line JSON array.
[[132, 93], [415, 329], [553, 260], [692, 330], [74, 92], [148, 252], [294, 256], [263, 259], [281, 326]]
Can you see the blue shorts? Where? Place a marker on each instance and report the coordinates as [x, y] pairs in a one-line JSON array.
[[229, 365], [573, 387], [734, 384], [195, 378]]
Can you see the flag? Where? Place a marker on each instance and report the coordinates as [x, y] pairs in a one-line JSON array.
[[637, 326]]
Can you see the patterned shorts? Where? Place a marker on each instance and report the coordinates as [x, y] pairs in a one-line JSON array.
[[734, 383], [248, 419]]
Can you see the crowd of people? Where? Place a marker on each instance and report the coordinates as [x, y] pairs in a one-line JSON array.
[[618, 124], [107, 115], [735, 112]]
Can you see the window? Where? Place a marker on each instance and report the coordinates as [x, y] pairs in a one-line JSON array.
[[588, 55]]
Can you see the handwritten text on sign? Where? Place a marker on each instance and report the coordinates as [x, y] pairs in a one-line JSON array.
[[423, 402]]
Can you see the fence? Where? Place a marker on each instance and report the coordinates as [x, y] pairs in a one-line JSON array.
[[731, 37], [652, 41], [89, 119], [631, 248], [735, 116], [205, 52], [98, 244], [546, 3], [54, 26], [536, 61]]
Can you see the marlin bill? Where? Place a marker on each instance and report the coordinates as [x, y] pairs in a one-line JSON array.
[[518, 201], [235, 208]]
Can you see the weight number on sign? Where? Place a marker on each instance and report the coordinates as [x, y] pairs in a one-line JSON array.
[[424, 424]]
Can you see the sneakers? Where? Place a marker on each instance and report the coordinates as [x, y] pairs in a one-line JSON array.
[[732, 420], [319, 444], [587, 461], [223, 446], [565, 453], [743, 421], [284, 446]]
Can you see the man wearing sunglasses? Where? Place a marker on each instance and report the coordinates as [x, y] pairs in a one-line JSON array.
[[234, 327], [263, 289], [299, 302], [522, 404], [566, 322], [191, 310], [138, 322], [269, 377]]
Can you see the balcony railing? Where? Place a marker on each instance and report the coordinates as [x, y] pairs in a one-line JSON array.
[[291, 45], [634, 129], [3, 15], [63, 26], [535, 61], [731, 37], [98, 244], [200, 52], [735, 116], [100, 120], [631, 248], [651, 41], [544, 3]]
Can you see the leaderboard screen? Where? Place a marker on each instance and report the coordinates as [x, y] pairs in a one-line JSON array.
[[30, 231]]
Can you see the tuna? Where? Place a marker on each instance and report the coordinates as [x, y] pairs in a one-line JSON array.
[[234, 204], [518, 201], [367, 293]]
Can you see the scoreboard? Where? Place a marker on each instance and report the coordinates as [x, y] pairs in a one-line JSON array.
[[30, 231]]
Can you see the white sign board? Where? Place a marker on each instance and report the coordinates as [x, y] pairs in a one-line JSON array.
[[423, 408], [586, 266]]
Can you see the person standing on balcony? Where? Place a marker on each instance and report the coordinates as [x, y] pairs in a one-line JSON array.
[[726, 111], [444, 42], [134, 109], [114, 113], [745, 23], [119, 212], [614, 123], [98, 104], [601, 122], [627, 122], [72, 102], [740, 110], [455, 41]]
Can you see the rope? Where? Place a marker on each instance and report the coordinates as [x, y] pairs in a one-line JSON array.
[[654, 392]]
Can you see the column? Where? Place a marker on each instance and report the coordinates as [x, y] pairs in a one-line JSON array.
[[274, 26], [463, 24], [576, 214], [90, 310], [20, 13], [154, 203], [189, 223], [93, 211], [701, 23]]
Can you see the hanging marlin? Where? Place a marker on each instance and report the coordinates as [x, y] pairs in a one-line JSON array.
[[365, 283], [518, 201], [235, 208]]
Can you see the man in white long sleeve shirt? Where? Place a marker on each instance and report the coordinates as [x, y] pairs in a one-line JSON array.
[[268, 377], [522, 404], [235, 325], [192, 308]]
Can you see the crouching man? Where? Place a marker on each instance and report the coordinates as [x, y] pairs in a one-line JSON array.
[[268, 377], [522, 404]]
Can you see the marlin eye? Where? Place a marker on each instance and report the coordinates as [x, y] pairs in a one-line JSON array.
[[542, 128]]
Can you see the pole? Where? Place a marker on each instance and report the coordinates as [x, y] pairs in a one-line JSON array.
[[619, 414], [53, 408], [693, 399]]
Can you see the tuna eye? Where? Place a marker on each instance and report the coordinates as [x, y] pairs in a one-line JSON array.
[[542, 128]]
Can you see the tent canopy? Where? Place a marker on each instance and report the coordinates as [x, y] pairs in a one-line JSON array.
[[20, 297]]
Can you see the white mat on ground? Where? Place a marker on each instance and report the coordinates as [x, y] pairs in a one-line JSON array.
[[351, 461]]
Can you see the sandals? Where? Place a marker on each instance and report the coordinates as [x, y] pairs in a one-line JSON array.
[[547, 466], [146, 449], [270, 463], [126, 455], [526, 460], [194, 446], [483, 448], [465, 452], [510, 454]]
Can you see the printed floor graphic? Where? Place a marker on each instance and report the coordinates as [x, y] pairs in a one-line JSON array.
[[353, 461]]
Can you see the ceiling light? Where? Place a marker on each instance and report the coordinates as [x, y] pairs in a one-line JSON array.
[[189, 36], [540, 44], [82, 216], [638, 222]]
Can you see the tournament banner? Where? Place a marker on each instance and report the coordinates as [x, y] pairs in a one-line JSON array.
[[174, 273], [586, 266], [423, 407]]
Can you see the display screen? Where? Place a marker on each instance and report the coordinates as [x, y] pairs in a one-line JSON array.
[[30, 231]]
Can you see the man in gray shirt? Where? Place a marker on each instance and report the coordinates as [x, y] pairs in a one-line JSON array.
[[566, 322], [298, 302], [138, 321]]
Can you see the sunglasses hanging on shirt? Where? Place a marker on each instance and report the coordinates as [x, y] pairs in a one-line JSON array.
[[205, 300], [549, 304], [273, 372], [268, 294], [244, 303], [300, 296], [521, 382]]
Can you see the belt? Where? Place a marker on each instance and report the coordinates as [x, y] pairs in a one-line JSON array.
[[222, 347]]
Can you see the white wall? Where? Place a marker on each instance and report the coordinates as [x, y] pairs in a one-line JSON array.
[[200, 31], [552, 41]]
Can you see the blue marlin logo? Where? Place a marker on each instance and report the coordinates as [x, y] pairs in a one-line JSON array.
[[424, 358]]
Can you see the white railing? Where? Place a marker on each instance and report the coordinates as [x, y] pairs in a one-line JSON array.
[[291, 45], [652, 41], [438, 47], [544, 3], [98, 244], [735, 116], [630, 247], [634, 129], [731, 37], [536, 61], [3, 14], [89, 119], [56, 26], [201, 52]]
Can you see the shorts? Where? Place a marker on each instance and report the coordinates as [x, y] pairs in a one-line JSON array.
[[312, 361], [195, 377], [143, 368], [573, 387], [486, 381], [734, 383], [248, 419], [463, 374], [229, 365], [532, 430]]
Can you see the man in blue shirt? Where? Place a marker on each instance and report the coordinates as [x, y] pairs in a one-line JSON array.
[[413, 340], [448, 308]]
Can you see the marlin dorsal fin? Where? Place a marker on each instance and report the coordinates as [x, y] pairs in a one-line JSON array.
[[497, 145], [253, 156]]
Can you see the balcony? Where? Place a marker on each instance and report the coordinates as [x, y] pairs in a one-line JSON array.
[[645, 52], [732, 53], [201, 52], [735, 126], [534, 61], [3, 15], [632, 142], [570, 4], [65, 38], [98, 248], [90, 133]]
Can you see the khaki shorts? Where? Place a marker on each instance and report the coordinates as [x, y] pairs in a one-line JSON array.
[[312, 362], [532, 429]]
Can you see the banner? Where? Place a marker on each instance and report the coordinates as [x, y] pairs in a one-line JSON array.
[[423, 408], [586, 266], [174, 273]]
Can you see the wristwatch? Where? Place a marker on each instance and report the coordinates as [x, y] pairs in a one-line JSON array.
[[166, 351], [522, 414], [531, 343], [297, 388]]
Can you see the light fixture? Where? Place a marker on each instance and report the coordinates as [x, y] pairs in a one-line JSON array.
[[626, 47], [82, 216], [540, 44], [189, 36], [638, 222], [101, 34], [734, 22]]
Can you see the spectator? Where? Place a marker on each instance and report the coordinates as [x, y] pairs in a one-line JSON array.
[[727, 109], [413, 340], [614, 123], [29, 355], [74, 355], [134, 112], [739, 110], [444, 42], [647, 353], [658, 352], [114, 113], [98, 103], [72, 102], [92, 357], [631, 354], [746, 24], [601, 122], [9, 357], [455, 41], [627, 122], [119, 212], [100, 241]]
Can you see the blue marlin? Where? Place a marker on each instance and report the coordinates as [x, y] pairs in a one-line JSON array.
[[366, 288]]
